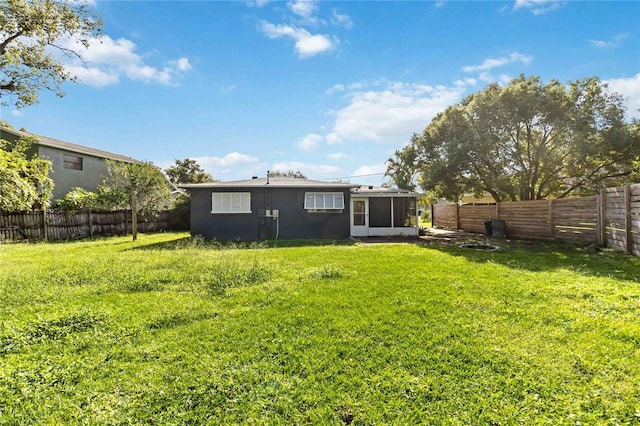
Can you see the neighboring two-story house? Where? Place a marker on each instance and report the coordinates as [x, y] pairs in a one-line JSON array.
[[72, 165]]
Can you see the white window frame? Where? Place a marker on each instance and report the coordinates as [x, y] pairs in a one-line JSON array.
[[324, 202], [230, 202]]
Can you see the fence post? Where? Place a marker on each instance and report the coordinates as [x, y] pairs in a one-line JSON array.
[[602, 217], [627, 217], [497, 210], [134, 217], [44, 223], [433, 219], [457, 216], [552, 225], [90, 223]]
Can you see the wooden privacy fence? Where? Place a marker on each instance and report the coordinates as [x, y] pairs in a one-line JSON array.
[[54, 225], [611, 218]]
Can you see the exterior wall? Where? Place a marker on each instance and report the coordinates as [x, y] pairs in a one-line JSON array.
[[93, 169], [293, 222]]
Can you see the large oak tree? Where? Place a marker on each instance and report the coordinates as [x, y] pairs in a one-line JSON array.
[[33, 35], [529, 140]]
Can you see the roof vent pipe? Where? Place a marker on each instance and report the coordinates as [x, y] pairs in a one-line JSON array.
[[267, 177]]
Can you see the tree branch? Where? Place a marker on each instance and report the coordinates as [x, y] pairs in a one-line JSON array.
[[4, 44]]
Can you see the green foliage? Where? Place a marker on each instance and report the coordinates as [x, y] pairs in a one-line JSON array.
[[529, 140], [187, 171], [78, 199], [24, 183], [403, 168], [32, 30], [425, 216], [144, 181], [180, 218], [296, 174]]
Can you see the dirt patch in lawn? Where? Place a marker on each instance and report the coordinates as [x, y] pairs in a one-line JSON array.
[[432, 235]]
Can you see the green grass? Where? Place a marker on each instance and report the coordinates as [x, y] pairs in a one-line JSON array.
[[169, 331]]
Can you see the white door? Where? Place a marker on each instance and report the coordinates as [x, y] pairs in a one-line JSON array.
[[359, 217]]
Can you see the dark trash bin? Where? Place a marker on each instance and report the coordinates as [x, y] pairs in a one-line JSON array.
[[498, 228], [495, 228], [487, 228]]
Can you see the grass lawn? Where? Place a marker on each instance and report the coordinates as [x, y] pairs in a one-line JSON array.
[[169, 331]]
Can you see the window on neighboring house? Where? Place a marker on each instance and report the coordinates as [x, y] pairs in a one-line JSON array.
[[72, 162], [324, 202], [231, 202]]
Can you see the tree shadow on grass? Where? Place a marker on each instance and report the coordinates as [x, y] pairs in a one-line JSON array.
[[541, 256]]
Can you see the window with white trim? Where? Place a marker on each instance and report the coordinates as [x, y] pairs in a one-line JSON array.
[[231, 202], [324, 202]]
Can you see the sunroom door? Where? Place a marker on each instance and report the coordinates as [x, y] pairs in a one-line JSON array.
[[359, 217]]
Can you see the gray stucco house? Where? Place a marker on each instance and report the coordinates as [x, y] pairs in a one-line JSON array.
[[288, 208], [73, 165]]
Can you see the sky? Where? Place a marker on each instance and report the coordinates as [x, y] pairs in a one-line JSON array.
[[330, 89]]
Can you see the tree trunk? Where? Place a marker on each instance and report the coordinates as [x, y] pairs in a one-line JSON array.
[[134, 217]]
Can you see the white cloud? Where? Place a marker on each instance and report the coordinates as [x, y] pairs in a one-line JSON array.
[[629, 88], [391, 114], [313, 171], [502, 79], [538, 7], [309, 142], [107, 60], [490, 63], [183, 64], [373, 169], [17, 113], [258, 3], [466, 82], [333, 137], [229, 163], [338, 156], [93, 76], [303, 8], [603, 44], [335, 88], [439, 4], [307, 44], [341, 19]]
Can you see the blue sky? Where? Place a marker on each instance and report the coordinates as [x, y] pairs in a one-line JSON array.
[[327, 88]]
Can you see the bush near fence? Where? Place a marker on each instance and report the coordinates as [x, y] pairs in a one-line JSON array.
[[55, 225], [611, 219]]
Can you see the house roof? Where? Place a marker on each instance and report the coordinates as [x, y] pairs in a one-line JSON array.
[[67, 146], [286, 182], [381, 191], [271, 182]]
